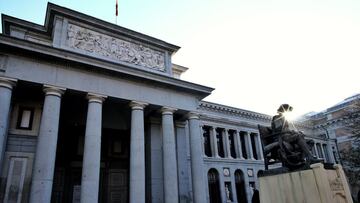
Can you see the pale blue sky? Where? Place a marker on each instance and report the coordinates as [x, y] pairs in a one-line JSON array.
[[256, 53]]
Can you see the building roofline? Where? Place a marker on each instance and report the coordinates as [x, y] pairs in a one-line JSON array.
[[28, 47], [53, 9], [232, 110]]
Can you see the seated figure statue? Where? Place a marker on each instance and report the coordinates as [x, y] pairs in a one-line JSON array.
[[289, 145]]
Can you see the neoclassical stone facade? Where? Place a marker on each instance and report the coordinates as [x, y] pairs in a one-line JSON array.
[[94, 112]]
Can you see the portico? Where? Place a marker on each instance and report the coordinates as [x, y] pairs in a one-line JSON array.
[[71, 142], [92, 121]]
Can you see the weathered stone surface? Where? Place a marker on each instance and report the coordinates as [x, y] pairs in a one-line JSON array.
[[80, 38], [312, 185], [44, 165]]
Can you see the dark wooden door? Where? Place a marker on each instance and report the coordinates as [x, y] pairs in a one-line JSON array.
[[117, 186]]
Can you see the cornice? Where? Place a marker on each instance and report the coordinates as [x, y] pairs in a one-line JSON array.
[[241, 113], [53, 10], [62, 56], [342, 121], [225, 121]]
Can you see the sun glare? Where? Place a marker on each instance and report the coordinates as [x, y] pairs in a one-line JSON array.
[[290, 116]]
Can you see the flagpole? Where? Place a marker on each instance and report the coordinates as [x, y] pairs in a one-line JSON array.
[[116, 12]]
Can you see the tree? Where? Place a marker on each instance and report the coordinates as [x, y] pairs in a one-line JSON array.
[[351, 156]]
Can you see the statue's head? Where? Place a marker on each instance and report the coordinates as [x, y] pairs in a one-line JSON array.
[[284, 108]]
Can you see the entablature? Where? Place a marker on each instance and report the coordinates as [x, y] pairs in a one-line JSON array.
[[76, 32]]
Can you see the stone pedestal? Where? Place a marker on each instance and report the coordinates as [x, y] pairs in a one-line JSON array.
[[313, 185]]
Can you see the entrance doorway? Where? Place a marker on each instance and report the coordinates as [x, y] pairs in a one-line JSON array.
[[114, 166]]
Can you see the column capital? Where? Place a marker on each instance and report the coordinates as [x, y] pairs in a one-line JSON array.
[[7, 82], [167, 110], [98, 98], [180, 124], [53, 90], [193, 115], [136, 105]]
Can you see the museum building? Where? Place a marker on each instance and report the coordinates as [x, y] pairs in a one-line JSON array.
[[94, 112]]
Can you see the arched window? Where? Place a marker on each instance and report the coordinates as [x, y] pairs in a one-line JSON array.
[[240, 186], [214, 186]]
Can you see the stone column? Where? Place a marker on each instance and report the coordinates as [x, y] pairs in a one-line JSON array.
[[330, 152], [44, 165], [227, 144], [213, 141], [169, 156], [261, 153], [137, 153], [197, 162], [6, 86], [323, 152], [92, 149], [249, 145], [316, 150], [238, 147]]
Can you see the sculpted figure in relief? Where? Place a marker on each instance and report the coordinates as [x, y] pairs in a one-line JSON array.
[[103, 45]]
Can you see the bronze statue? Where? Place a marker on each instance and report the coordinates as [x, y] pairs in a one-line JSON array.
[[282, 143]]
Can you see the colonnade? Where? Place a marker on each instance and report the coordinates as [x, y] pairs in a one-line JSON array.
[[252, 148], [323, 150], [44, 164]]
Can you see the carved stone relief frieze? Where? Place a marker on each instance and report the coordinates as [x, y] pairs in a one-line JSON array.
[[113, 48]]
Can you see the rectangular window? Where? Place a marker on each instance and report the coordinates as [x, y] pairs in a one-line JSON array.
[[243, 144], [206, 136], [327, 158], [232, 135], [25, 118], [313, 149], [318, 148], [219, 141], [335, 155], [253, 145]]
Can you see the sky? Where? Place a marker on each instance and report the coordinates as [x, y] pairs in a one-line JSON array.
[[257, 54]]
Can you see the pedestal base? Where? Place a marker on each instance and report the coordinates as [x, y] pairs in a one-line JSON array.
[[315, 185]]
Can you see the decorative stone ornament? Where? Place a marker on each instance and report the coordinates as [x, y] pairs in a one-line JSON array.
[[250, 172], [101, 45], [226, 172]]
